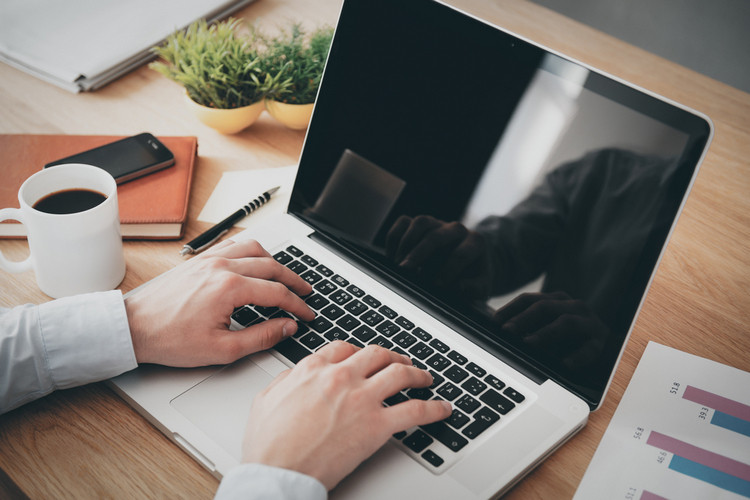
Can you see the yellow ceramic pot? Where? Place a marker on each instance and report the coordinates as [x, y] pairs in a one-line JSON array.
[[226, 121], [294, 116]]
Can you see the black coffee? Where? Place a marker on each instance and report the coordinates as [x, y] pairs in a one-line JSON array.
[[69, 201]]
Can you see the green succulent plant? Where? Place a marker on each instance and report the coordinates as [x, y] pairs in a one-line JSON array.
[[218, 67], [297, 59]]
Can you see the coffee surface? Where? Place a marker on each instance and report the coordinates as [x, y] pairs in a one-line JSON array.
[[69, 201]]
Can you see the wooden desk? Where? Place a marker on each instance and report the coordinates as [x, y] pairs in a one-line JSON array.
[[87, 443]]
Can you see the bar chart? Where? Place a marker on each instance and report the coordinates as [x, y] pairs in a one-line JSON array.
[[681, 431]]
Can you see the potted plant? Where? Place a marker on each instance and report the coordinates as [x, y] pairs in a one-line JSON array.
[[221, 72], [297, 60]]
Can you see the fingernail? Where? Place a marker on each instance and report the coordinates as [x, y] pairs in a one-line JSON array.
[[288, 329]]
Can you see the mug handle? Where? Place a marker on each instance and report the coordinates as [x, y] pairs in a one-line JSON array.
[[9, 265]]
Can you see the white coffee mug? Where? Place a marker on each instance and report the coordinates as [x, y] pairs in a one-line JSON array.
[[70, 253]]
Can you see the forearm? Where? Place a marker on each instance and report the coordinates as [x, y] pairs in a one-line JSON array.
[[62, 344]]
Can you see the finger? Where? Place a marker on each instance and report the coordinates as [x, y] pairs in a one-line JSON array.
[[374, 358], [268, 269], [466, 255], [238, 249], [273, 294], [256, 338], [395, 233], [336, 351], [396, 377], [413, 235], [416, 412]]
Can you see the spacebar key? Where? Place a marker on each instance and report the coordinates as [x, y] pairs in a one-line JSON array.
[[292, 350], [446, 435]]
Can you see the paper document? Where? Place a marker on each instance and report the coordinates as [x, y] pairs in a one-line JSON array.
[[235, 189], [681, 431], [84, 44]]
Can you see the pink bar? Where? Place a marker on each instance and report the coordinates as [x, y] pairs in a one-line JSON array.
[[699, 455], [647, 495], [716, 402]]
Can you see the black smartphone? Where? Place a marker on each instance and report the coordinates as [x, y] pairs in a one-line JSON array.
[[126, 159]]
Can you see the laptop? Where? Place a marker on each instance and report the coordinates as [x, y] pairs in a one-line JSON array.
[[551, 190]]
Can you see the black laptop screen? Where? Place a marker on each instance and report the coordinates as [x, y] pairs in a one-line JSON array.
[[523, 196]]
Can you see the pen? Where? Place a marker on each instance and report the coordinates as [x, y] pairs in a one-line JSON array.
[[206, 239]]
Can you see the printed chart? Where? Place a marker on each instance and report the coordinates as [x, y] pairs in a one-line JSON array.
[[681, 431]]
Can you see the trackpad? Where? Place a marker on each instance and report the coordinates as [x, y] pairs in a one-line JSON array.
[[220, 404]]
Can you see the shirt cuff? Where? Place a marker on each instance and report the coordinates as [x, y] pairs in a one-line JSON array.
[[260, 482], [86, 338]]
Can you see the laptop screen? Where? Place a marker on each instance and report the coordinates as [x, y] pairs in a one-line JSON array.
[[522, 196]]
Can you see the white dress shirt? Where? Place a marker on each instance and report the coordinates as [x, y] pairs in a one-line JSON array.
[[78, 340]]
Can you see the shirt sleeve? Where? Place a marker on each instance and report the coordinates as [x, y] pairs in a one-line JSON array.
[[61, 344], [261, 482]]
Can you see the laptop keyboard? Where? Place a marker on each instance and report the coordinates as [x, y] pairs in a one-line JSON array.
[[347, 312]]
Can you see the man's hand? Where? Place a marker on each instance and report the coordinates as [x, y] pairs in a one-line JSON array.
[[182, 319], [325, 416]]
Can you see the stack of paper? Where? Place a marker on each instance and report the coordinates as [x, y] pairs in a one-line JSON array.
[[82, 45]]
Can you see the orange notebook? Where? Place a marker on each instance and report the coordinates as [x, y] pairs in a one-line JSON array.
[[151, 207]]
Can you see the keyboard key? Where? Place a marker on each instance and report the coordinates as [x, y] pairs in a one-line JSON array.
[[297, 266], [437, 379], [422, 393], [332, 312], [514, 395], [388, 312], [446, 435], [364, 333], [283, 258], [244, 316], [317, 301], [324, 271], [355, 342], [340, 297], [348, 322], [421, 350], [320, 324], [309, 260], [432, 458], [467, 403], [311, 276], [382, 342], [312, 341], [291, 350], [397, 398], [474, 386], [355, 307], [497, 401], [457, 357], [423, 335], [482, 420], [417, 441], [404, 323], [404, 339], [494, 382], [266, 311], [439, 346], [281, 314], [438, 362], [449, 391], [336, 334], [399, 435], [340, 280], [371, 301], [294, 251], [457, 419], [325, 287], [388, 328], [456, 374], [356, 291], [372, 318], [476, 370]]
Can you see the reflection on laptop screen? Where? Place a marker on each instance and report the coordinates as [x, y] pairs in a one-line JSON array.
[[524, 196]]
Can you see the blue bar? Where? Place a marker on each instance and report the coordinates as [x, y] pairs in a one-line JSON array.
[[730, 422], [712, 476]]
